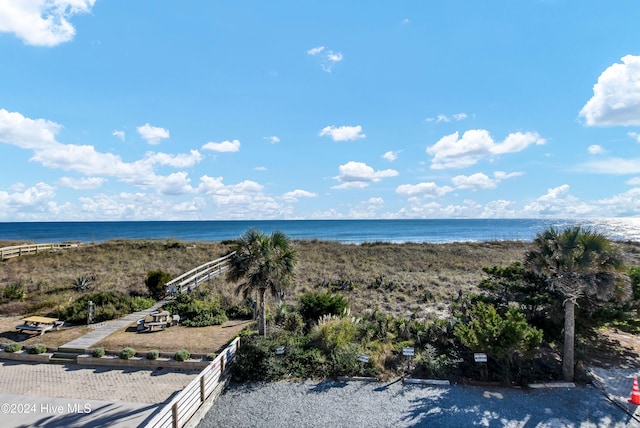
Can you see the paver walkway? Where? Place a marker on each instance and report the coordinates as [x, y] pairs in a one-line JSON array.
[[107, 328]]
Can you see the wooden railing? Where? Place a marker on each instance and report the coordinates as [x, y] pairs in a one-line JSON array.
[[21, 250], [207, 386], [194, 277]]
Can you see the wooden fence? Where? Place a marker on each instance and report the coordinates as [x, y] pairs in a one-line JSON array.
[[194, 277], [207, 386], [21, 250]]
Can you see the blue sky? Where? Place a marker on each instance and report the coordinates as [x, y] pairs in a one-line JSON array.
[[163, 110]]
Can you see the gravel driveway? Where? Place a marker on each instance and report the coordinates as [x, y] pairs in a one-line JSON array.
[[359, 404]]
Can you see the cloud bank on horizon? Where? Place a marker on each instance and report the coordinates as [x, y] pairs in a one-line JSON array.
[[259, 111]]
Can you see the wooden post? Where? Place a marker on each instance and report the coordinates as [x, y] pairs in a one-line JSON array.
[[174, 412], [202, 391], [221, 367]]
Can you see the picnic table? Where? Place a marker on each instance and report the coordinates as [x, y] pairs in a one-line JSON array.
[[160, 319], [39, 324]]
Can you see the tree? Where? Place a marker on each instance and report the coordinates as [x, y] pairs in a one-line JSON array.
[[264, 263], [155, 282], [577, 262]]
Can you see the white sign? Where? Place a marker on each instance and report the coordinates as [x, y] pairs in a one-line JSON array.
[[408, 352], [480, 357], [364, 358], [280, 350]]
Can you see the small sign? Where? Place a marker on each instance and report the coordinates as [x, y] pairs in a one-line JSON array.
[[408, 352], [364, 358], [480, 357], [280, 350]]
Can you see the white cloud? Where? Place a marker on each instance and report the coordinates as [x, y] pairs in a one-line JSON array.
[[358, 175], [37, 196], [558, 202], [119, 134], [273, 139], [614, 166], [223, 147], [616, 95], [595, 149], [343, 133], [41, 22], [152, 134], [328, 58], [635, 181], [294, 195], [444, 118], [27, 133], [390, 155], [405, 21], [635, 136], [315, 51], [481, 181], [85, 183], [181, 160], [428, 190], [454, 152]]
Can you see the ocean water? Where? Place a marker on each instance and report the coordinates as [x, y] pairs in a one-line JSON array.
[[346, 231]]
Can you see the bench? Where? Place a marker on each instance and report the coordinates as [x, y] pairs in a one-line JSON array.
[[38, 328], [161, 324]]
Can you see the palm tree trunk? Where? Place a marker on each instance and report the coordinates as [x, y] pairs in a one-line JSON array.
[[568, 364], [262, 316]]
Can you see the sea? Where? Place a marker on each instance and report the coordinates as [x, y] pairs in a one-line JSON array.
[[345, 231]]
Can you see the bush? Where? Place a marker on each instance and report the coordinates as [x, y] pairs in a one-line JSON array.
[[243, 311], [211, 357], [155, 282], [98, 353], [109, 305], [197, 313], [13, 347], [315, 305], [14, 291], [333, 332], [139, 303], [127, 353], [37, 349], [153, 355], [182, 355]]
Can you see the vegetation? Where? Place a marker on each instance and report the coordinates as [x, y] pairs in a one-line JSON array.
[[109, 305], [13, 347], [127, 353], [38, 348], [97, 353], [83, 283], [199, 310], [314, 305], [263, 263], [153, 354], [578, 263], [155, 282], [182, 355]]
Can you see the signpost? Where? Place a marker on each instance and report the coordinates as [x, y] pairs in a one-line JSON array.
[[481, 358], [408, 352]]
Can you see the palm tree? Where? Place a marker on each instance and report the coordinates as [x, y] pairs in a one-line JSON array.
[[264, 263], [577, 262]]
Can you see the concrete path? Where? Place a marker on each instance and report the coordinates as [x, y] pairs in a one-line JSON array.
[[616, 384], [107, 328]]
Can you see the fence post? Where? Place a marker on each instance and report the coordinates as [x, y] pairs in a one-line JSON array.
[[202, 392], [174, 412], [222, 367]]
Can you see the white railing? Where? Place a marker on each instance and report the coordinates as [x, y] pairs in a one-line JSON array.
[[21, 250], [177, 412], [194, 277]]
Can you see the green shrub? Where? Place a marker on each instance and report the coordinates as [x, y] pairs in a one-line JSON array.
[[14, 291], [333, 332], [155, 282], [38, 348], [109, 305], [196, 312], [434, 365], [98, 353], [242, 311], [13, 347], [211, 357], [139, 303], [127, 353], [182, 355], [315, 305], [153, 355], [293, 322], [83, 283]]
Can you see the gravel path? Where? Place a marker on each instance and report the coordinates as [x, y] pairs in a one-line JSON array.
[[359, 404]]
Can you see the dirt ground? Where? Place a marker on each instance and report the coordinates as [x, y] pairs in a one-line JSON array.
[[196, 340], [52, 339], [614, 348]]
